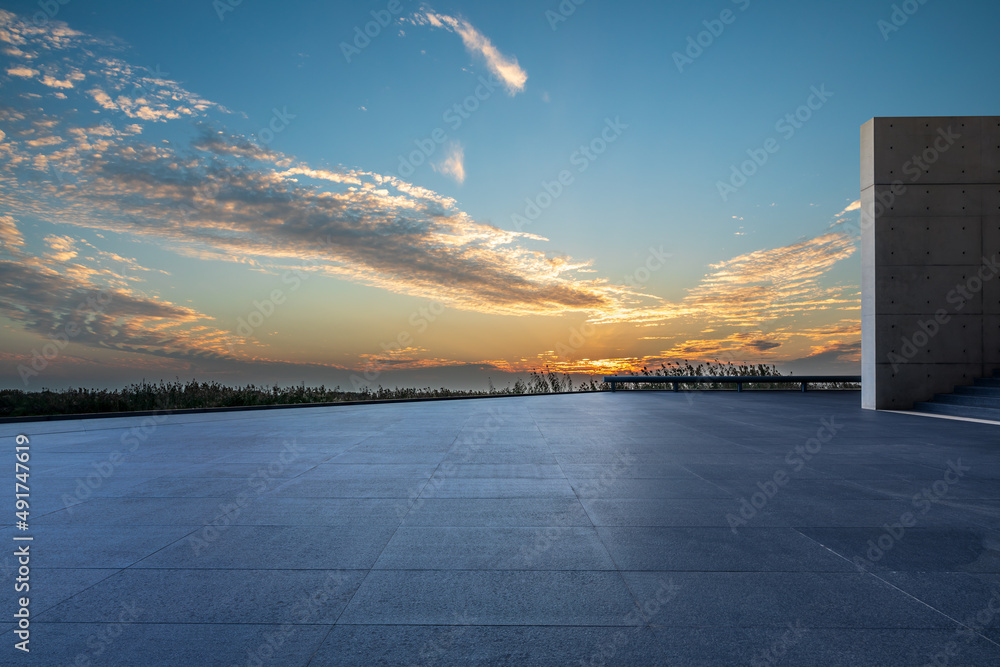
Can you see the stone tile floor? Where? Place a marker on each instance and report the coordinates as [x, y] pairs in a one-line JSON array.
[[635, 528]]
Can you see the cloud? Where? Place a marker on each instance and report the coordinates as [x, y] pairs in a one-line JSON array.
[[52, 305], [453, 162], [61, 248], [21, 71], [765, 285], [222, 197], [856, 206], [10, 235], [53, 82], [832, 352], [45, 141], [214, 200], [504, 67], [763, 345]]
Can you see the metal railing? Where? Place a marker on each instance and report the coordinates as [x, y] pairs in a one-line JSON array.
[[739, 381]]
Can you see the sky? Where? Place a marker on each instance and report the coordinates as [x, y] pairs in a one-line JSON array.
[[404, 194]]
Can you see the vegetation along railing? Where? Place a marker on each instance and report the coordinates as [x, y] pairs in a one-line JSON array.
[[738, 380]]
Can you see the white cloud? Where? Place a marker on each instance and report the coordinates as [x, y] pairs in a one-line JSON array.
[[53, 82], [856, 206], [453, 162], [504, 67], [45, 141], [765, 285], [10, 235], [61, 248], [21, 71]]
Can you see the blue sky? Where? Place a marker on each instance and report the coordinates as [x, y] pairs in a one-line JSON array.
[[239, 180]]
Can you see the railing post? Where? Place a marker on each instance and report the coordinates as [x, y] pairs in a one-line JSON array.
[[803, 387], [675, 386], [613, 387], [739, 387]]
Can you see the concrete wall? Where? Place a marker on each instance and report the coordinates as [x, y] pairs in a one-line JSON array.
[[930, 237]]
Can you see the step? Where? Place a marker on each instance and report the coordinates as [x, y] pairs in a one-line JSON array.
[[988, 382], [958, 411], [978, 391], [971, 400]]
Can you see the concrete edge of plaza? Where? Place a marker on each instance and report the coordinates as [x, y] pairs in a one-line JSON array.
[[334, 404]]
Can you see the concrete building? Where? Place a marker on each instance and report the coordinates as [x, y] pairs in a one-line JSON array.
[[930, 241]]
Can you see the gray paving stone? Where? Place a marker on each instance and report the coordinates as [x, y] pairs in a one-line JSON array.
[[797, 644], [372, 471], [274, 548], [134, 511], [462, 644], [772, 599], [102, 547], [48, 586], [703, 549], [483, 470], [497, 512], [213, 596], [494, 548], [171, 644], [648, 488], [625, 469], [306, 486], [898, 547], [495, 597], [497, 487], [273, 511]]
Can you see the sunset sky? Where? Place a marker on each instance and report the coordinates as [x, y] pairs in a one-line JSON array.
[[262, 192]]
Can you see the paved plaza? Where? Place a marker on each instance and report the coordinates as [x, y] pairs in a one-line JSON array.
[[635, 528]]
